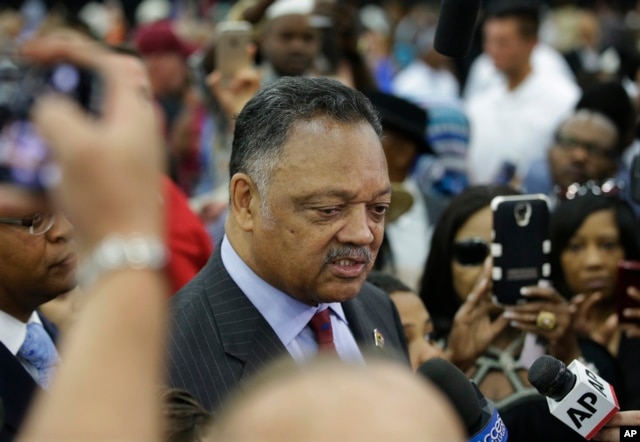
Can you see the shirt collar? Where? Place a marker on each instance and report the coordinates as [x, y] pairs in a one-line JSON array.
[[13, 331], [286, 315]]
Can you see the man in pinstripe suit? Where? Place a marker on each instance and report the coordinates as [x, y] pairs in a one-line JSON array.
[[309, 191]]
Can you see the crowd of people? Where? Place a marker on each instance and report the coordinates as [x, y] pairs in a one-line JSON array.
[[274, 255]]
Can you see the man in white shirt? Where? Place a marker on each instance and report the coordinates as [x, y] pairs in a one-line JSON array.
[[37, 263], [512, 121]]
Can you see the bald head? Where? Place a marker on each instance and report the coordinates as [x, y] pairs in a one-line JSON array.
[[332, 401]]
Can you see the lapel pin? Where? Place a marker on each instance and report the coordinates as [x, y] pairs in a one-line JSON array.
[[378, 338]]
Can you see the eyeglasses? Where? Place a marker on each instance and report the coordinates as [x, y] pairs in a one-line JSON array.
[[470, 252], [38, 224], [593, 149], [609, 187]]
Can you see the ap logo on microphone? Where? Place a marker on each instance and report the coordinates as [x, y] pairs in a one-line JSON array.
[[589, 405], [630, 433]]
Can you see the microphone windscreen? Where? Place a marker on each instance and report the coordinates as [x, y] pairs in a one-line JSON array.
[[456, 386], [456, 25], [551, 377]]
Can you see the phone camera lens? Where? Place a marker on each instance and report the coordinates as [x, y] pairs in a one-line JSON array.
[[65, 78], [522, 213]]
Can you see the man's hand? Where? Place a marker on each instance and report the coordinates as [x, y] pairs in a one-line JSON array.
[[110, 165]]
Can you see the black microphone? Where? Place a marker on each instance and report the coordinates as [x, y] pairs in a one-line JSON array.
[[577, 396], [456, 24], [479, 415]]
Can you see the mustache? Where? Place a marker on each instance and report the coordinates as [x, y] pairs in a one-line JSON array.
[[355, 253]]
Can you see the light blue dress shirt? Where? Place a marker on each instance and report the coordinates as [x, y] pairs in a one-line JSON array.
[[287, 316]]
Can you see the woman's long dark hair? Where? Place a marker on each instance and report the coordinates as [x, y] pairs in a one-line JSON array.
[[436, 289], [569, 216]]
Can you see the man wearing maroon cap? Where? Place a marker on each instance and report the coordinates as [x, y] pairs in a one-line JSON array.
[[165, 56]]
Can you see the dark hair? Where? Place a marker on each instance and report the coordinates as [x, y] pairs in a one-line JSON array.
[[526, 14], [436, 289], [185, 419], [569, 216], [387, 282], [265, 123]]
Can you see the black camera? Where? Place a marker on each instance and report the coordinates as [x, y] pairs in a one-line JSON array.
[[25, 159]]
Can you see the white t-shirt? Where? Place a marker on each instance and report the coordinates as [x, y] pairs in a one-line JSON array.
[[516, 126], [483, 72]]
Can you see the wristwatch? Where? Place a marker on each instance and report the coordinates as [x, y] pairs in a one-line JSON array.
[[118, 252]]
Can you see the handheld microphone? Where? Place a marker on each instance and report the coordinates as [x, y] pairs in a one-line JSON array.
[[577, 396], [456, 24], [479, 415]]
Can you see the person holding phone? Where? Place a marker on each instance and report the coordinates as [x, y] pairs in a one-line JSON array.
[[590, 235], [493, 344]]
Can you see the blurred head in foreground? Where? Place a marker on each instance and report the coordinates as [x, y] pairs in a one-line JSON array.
[[328, 400]]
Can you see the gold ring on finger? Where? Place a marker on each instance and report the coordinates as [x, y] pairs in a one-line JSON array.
[[546, 320]]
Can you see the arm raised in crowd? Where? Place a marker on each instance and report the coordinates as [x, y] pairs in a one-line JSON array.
[[112, 359], [473, 329]]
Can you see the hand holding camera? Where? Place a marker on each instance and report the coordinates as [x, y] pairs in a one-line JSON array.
[[110, 164]]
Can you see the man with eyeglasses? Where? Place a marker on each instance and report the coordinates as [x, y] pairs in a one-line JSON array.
[[37, 263], [586, 155]]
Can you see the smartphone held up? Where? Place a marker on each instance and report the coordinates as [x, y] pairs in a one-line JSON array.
[[520, 245], [231, 41]]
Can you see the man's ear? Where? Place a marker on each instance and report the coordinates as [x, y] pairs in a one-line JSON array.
[[243, 201]]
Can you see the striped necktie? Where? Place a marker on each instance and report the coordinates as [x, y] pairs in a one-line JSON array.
[[321, 325]]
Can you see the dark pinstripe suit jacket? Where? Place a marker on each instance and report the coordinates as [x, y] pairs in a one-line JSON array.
[[17, 388], [218, 338]]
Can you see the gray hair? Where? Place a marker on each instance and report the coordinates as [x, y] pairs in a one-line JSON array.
[[264, 125]]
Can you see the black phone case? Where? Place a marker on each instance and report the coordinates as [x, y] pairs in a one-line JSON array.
[[520, 245]]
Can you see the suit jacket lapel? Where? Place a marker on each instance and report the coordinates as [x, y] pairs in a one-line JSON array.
[[377, 334], [244, 332], [360, 323]]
